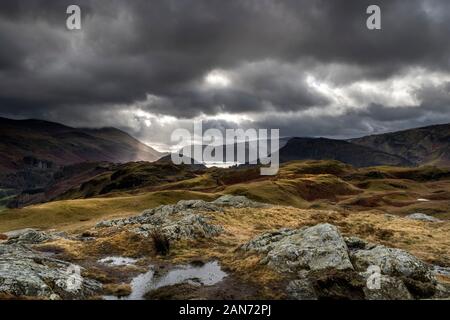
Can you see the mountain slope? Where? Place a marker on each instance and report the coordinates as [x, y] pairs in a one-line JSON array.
[[62, 145], [328, 149], [422, 146]]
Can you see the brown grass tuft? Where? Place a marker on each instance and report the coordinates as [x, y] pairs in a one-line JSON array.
[[161, 243]]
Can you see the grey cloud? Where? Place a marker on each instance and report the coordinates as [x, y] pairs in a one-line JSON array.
[[130, 49]]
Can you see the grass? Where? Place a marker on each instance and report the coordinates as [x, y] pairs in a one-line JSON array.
[[82, 213], [301, 184], [427, 241]]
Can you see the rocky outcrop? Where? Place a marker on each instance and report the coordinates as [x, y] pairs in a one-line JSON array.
[[28, 236], [422, 217], [238, 202], [316, 248], [324, 265], [183, 220], [185, 225], [392, 262], [26, 273], [389, 289], [31, 236]]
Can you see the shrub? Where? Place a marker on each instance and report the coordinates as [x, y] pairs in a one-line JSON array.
[[160, 242]]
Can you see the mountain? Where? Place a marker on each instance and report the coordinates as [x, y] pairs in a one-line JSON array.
[[329, 149], [55, 144], [91, 179], [250, 151], [422, 146], [31, 151]]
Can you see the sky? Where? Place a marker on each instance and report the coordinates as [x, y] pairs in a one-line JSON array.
[[306, 67]]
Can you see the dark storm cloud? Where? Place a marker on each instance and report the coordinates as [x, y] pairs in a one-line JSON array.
[[130, 50], [375, 119]]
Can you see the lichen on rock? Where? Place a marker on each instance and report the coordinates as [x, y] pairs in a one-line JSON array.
[[27, 273]]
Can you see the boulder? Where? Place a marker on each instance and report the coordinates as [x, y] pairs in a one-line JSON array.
[[301, 289], [315, 248], [390, 288], [392, 262], [321, 264], [327, 284], [422, 217], [27, 273]]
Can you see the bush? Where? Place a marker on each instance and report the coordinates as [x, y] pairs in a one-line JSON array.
[[160, 242]]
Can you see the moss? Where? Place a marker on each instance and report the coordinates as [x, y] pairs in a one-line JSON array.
[[83, 213]]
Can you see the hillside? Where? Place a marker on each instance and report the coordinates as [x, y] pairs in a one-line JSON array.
[[31, 151], [328, 149], [310, 205], [63, 145], [422, 146], [303, 184]]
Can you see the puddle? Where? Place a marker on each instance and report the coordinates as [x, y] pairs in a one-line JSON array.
[[117, 261], [423, 200], [208, 274]]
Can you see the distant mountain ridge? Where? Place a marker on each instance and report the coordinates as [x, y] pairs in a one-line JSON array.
[[329, 149], [31, 151], [64, 145], [422, 146]]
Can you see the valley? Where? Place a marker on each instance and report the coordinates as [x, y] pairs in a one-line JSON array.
[[320, 184], [155, 230]]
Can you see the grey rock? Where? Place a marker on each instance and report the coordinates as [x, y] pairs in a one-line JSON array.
[[422, 217], [322, 264], [238, 202], [182, 226], [28, 236], [301, 289], [390, 288], [442, 291], [355, 243], [160, 214], [392, 262], [180, 221], [17, 233], [198, 205], [315, 248], [442, 271], [24, 272]]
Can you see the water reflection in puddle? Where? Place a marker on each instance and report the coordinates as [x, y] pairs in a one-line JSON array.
[[208, 274]]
